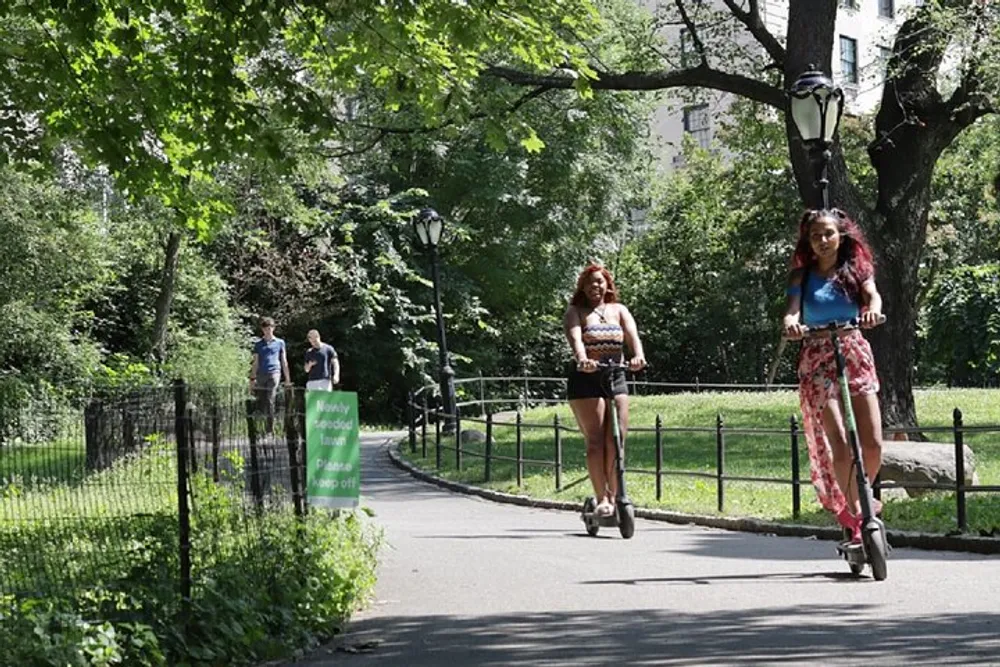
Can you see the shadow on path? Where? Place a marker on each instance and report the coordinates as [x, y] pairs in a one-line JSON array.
[[791, 634]]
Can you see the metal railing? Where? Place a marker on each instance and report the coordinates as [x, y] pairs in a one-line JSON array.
[[423, 414]]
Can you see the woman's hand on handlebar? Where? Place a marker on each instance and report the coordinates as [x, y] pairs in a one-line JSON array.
[[637, 363], [586, 365], [794, 330], [871, 319]]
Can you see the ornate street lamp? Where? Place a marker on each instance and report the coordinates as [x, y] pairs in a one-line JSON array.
[[428, 226], [816, 105]]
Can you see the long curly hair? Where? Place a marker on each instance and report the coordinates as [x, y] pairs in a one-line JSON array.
[[580, 297], [855, 262]]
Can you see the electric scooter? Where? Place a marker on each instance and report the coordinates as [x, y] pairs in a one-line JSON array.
[[624, 515], [874, 547]]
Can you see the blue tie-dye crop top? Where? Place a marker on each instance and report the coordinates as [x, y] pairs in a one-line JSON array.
[[823, 302]]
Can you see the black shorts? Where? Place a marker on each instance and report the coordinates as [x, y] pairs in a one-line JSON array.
[[595, 385]]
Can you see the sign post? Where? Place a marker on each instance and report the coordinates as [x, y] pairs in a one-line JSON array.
[[333, 453]]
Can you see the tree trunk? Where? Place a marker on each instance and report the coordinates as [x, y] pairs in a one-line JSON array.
[[168, 281]]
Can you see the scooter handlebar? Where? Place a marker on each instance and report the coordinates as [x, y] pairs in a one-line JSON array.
[[849, 325]]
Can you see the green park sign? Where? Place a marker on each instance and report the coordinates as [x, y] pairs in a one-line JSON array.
[[333, 461]]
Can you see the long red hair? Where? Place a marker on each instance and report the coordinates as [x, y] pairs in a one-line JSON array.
[[855, 263], [580, 297]]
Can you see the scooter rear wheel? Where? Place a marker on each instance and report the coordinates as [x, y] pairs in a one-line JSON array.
[[589, 505], [626, 520], [876, 548]]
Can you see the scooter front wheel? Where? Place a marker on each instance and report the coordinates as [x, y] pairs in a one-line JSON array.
[[877, 550], [626, 520]]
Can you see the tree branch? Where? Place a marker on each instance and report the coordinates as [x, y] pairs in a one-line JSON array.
[[381, 132], [693, 77], [693, 31], [751, 18]]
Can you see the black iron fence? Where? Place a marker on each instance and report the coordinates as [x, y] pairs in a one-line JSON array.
[[434, 432], [145, 487]]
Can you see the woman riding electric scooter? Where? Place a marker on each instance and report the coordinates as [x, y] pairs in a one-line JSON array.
[[597, 327], [833, 280]]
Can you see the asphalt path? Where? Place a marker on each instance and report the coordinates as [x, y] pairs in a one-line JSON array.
[[465, 581]]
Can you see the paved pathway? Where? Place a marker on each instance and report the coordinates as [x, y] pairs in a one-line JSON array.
[[468, 582]]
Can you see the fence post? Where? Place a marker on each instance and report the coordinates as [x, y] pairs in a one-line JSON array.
[[423, 428], [487, 466], [720, 461], [793, 433], [292, 442], [558, 453], [93, 415], [520, 451], [216, 438], [659, 458], [192, 449], [437, 437], [255, 482], [183, 510], [959, 470], [482, 394], [303, 454], [410, 422], [128, 427], [458, 439]]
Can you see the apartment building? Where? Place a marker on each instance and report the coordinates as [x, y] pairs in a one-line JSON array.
[[862, 43]]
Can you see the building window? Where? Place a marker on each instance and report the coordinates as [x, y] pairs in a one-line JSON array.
[[849, 4], [884, 54], [698, 123], [686, 51], [849, 59], [886, 8]]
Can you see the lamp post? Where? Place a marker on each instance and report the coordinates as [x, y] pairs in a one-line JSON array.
[[428, 226], [816, 105]]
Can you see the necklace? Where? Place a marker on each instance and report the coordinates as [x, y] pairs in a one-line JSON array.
[[599, 311]]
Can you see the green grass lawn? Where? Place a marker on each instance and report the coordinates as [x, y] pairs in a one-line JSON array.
[[754, 455]]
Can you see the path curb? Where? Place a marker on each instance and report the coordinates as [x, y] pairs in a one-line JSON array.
[[897, 538]]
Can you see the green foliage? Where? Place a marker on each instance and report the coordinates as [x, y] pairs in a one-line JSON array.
[[50, 265], [964, 221], [706, 281], [962, 327], [162, 92]]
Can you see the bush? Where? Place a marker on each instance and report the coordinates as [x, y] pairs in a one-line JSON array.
[[262, 586]]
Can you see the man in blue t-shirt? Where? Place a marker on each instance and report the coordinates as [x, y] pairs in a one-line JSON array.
[[321, 364], [269, 363]]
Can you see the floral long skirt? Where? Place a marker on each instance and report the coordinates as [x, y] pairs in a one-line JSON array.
[[817, 385]]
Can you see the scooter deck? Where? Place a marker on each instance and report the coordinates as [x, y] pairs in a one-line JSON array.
[[603, 521], [852, 552]]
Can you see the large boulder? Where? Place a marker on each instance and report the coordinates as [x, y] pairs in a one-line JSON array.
[[470, 436], [905, 462]]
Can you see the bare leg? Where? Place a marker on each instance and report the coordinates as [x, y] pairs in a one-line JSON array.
[[589, 413]]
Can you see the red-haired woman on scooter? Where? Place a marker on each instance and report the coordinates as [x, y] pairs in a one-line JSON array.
[[597, 327], [833, 280]]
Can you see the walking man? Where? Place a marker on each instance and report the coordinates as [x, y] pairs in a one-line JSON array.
[[322, 364], [270, 363]]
